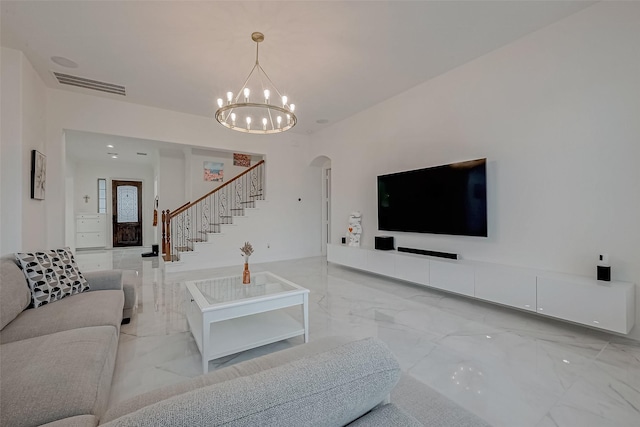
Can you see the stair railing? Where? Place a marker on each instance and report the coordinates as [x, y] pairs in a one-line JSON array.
[[192, 222]]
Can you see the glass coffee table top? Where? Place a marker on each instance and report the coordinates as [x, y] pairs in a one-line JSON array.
[[230, 289]]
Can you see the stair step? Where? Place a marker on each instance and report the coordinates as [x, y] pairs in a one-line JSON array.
[[256, 195], [251, 201], [196, 239], [209, 232], [237, 209], [183, 249], [226, 216]]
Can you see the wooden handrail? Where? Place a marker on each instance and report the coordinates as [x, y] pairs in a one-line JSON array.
[[188, 205], [183, 206]]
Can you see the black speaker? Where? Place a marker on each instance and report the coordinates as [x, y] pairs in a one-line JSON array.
[[604, 273], [384, 243], [428, 253]]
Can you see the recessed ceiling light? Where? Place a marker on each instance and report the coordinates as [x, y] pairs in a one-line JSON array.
[[109, 146], [322, 121], [64, 62], [114, 157]]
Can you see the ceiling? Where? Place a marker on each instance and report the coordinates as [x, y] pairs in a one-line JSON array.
[[333, 59], [85, 146], [89, 146]]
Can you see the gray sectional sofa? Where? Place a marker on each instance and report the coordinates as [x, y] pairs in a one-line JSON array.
[[333, 381], [57, 361]]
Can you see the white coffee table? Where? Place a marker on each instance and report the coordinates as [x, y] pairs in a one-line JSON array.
[[227, 317]]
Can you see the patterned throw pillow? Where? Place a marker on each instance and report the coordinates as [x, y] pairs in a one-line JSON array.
[[52, 275]]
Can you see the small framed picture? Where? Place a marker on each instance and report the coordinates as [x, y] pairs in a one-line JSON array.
[[243, 160], [38, 174], [213, 171]]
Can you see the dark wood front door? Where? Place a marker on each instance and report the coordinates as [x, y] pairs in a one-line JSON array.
[[127, 213]]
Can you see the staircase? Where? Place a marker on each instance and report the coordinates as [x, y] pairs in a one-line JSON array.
[[204, 234]]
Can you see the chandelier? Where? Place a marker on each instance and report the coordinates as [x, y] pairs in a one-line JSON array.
[[259, 114]]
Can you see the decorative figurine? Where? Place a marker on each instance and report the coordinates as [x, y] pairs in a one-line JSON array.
[[355, 229]]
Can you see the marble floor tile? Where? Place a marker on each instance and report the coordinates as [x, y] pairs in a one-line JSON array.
[[141, 363], [509, 367], [544, 365], [485, 388], [566, 416], [604, 393], [598, 399], [621, 357]]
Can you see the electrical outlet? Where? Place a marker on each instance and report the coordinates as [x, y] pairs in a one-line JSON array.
[[268, 245]]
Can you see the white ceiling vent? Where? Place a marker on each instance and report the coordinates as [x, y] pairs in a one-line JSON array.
[[67, 79]]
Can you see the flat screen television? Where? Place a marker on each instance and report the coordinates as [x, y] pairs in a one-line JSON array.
[[448, 199]]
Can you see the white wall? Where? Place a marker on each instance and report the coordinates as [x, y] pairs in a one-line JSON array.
[[11, 164], [34, 111], [199, 186], [23, 129], [556, 114], [171, 181], [289, 234], [86, 183], [69, 207]]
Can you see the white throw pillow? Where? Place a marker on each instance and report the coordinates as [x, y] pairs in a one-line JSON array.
[[51, 275]]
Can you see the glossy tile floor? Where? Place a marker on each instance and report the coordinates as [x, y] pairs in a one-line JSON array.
[[508, 367]]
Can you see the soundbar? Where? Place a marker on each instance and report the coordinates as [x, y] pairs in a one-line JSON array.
[[429, 253]]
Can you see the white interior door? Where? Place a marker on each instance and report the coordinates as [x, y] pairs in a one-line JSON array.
[[326, 209]]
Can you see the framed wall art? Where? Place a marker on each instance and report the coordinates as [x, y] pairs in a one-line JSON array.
[[38, 174], [243, 160], [213, 171]]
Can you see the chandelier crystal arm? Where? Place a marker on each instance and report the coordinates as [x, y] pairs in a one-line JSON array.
[[271, 118], [244, 85], [267, 76]]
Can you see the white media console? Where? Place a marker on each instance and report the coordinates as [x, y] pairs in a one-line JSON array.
[[603, 305]]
